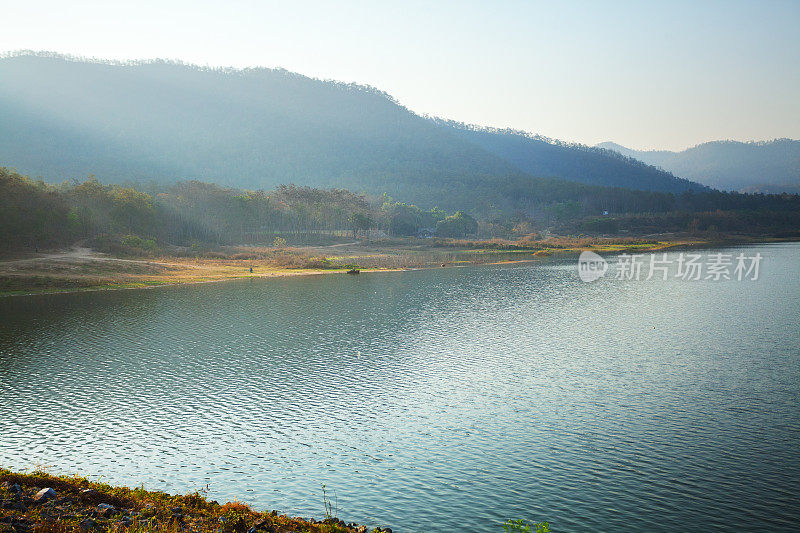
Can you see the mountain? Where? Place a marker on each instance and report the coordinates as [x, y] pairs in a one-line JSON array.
[[257, 128], [769, 167], [541, 156]]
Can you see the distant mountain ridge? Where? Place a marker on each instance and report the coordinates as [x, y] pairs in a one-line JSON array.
[[63, 118], [542, 156], [763, 166]]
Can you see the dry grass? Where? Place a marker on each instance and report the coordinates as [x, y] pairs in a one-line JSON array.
[[70, 272], [536, 242], [75, 510]]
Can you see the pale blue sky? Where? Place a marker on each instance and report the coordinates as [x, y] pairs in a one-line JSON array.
[[645, 74]]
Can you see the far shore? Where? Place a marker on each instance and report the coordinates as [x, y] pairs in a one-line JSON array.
[[83, 269]]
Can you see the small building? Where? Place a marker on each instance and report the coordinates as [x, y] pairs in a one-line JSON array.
[[426, 233]]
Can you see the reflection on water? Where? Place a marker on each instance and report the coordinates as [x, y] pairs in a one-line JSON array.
[[427, 399]]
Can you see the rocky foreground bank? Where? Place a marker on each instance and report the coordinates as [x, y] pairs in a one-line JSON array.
[[42, 503]]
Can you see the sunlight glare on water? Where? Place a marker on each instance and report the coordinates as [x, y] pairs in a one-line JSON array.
[[427, 400]]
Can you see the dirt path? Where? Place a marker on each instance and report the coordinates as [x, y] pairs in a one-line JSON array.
[[81, 254], [75, 252], [341, 245]]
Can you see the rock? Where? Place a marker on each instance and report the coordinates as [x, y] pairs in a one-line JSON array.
[[265, 524], [106, 510], [19, 506], [361, 529], [11, 487], [88, 493], [52, 514], [87, 524], [45, 495]]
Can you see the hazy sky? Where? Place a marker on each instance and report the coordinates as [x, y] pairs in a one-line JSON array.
[[645, 74]]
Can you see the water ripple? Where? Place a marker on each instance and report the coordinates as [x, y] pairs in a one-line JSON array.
[[427, 399]]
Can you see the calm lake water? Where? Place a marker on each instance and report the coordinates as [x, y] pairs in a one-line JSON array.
[[438, 400]]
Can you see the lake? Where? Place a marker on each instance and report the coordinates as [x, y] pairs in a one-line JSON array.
[[430, 400]]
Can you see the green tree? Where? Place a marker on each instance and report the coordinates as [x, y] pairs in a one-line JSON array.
[[457, 225], [403, 224], [360, 222]]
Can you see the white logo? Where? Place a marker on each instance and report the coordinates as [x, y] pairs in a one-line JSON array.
[[591, 266]]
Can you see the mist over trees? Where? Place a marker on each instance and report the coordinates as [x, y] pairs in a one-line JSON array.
[[769, 166], [540, 156], [150, 216], [254, 128], [188, 155], [36, 214], [258, 128]]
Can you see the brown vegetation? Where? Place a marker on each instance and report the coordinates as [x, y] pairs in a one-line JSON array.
[[82, 268], [78, 505]]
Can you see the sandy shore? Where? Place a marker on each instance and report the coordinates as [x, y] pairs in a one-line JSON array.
[[83, 269]]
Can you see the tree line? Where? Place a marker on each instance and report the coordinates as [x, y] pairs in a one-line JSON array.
[[34, 214]]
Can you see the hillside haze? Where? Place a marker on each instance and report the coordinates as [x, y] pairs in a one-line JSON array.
[[541, 156], [257, 128], [769, 167]]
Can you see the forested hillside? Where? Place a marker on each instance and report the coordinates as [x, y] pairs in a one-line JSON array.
[[40, 215], [36, 214], [258, 128], [770, 167], [115, 217], [540, 156], [253, 128]]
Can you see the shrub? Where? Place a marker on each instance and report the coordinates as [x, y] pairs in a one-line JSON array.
[[458, 225], [235, 516], [521, 526], [134, 241]]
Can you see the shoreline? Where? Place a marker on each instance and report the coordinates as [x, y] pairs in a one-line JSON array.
[[158, 284], [42, 502], [183, 271]]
